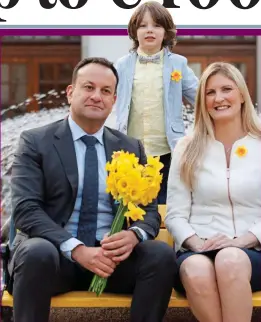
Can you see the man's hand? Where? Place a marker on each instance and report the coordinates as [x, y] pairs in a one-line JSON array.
[[217, 242], [119, 246], [93, 259]]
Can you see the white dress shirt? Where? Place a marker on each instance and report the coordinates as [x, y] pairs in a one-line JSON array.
[[105, 216]]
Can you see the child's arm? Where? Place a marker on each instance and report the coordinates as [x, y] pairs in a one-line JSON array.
[[189, 84], [118, 107]]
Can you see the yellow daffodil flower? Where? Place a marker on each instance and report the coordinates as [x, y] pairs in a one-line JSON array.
[[241, 151], [176, 76]]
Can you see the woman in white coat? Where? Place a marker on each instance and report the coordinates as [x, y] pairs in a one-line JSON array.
[[214, 200]]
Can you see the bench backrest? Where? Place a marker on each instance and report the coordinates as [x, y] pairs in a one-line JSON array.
[[163, 233]]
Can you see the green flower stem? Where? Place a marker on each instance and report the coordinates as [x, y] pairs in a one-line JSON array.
[[98, 283], [114, 223], [119, 219]]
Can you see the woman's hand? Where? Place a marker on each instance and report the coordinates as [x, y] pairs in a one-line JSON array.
[[248, 240], [217, 242], [220, 241], [194, 243]]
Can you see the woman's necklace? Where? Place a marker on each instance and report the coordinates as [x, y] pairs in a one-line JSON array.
[[228, 149]]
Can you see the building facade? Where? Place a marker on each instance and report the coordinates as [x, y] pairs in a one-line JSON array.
[[33, 66], [243, 52]]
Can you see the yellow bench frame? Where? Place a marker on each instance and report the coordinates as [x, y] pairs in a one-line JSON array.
[[86, 299]]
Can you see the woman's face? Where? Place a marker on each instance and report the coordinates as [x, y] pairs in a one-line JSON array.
[[223, 98]]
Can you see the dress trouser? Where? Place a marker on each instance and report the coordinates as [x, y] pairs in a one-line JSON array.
[[40, 272]]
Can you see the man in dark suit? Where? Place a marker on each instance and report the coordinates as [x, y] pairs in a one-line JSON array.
[[63, 213]]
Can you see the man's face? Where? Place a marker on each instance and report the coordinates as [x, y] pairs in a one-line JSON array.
[[92, 95]]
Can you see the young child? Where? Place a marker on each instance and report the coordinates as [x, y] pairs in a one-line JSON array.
[[152, 82]]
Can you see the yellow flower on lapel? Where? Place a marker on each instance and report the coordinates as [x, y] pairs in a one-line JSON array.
[[241, 151], [176, 75]]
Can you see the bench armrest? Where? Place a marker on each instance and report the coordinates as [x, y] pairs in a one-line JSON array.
[[5, 255]]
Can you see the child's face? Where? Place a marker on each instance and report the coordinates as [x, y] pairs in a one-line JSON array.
[[150, 35]]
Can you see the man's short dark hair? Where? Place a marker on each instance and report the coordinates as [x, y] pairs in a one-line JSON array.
[[95, 60]]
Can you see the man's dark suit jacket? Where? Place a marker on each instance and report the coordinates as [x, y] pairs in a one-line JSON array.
[[45, 180]]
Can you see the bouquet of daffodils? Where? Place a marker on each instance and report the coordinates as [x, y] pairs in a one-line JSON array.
[[131, 184]]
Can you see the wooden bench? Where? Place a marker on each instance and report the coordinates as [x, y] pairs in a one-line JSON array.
[[87, 299]]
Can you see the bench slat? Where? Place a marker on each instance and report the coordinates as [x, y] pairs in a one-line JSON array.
[[88, 299], [165, 237]]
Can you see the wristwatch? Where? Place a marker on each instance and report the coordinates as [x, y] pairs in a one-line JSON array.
[[137, 233]]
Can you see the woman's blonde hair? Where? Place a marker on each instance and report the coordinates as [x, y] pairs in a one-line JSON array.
[[203, 125]]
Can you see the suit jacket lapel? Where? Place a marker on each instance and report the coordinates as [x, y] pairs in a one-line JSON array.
[[111, 143], [65, 147], [167, 70], [129, 73]]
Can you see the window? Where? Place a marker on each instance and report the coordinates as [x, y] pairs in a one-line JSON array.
[[237, 50], [13, 83], [54, 77], [35, 73]]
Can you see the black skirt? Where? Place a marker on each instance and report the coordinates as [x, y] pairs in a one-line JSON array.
[[254, 256]]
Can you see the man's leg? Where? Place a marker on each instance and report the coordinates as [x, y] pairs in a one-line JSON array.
[[39, 272], [148, 274]]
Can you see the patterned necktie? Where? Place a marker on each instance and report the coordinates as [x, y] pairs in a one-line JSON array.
[[87, 225], [149, 59]]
